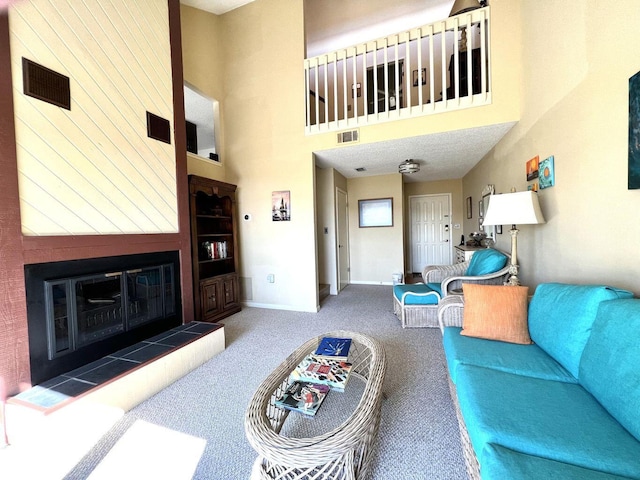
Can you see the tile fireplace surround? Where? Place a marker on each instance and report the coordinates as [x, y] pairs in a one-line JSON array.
[[58, 421], [64, 388]]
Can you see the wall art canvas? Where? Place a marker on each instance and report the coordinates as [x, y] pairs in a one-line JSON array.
[[281, 206], [546, 176], [634, 132]]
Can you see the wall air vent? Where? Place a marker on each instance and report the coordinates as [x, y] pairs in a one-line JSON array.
[[348, 137], [45, 84]]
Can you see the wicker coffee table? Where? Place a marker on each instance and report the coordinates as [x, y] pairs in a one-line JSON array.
[[343, 452]]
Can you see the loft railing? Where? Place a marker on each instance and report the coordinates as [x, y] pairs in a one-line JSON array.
[[418, 72]]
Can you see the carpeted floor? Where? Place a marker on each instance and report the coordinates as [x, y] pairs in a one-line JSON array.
[[418, 436]]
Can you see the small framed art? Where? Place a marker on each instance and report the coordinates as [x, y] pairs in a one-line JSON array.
[[281, 206], [422, 79], [469, 208], [547, 177], [376, 212]]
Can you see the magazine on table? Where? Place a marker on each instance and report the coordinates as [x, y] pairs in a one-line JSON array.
[[333, 373], [303, 397], [333, 348]]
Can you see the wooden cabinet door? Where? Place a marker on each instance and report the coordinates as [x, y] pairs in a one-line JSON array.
[[229, 287], [210, 298]]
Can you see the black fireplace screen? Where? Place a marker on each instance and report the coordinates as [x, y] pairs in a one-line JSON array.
[[84, 310]]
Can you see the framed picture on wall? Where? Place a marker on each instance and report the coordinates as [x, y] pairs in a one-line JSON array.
[[376, 212], [281, 206], [422, 79], [469, 208]]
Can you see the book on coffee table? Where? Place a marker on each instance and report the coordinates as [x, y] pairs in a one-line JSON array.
[[303, 397], [333, 373], [333, 348]]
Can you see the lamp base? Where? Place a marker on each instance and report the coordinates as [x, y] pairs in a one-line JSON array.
[[513, 280]]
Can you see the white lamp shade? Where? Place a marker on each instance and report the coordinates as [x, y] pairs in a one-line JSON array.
[[518, 208]]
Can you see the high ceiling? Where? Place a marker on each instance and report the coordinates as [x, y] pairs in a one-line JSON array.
[[216, 6], [333, 24]]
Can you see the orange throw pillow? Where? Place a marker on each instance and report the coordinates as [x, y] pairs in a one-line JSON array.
[[496, 312]]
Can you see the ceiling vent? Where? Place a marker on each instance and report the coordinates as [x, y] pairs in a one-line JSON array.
[[348, 137], [409, 166], [360, 169]]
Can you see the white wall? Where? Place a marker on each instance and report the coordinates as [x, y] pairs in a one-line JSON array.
[[92, 169], [577, 61]]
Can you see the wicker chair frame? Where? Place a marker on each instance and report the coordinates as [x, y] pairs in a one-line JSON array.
[[450, 314], [343, 453], [451, 277], [416, 315]]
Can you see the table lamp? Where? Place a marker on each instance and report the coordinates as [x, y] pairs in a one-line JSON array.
[[514, 208]]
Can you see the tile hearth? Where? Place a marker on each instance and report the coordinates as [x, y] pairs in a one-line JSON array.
[[64, 388]]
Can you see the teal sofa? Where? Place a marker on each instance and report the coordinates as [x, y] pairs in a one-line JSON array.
[[566, 406]]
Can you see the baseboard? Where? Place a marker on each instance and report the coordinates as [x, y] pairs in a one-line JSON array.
[[273, 306], [357, 282]]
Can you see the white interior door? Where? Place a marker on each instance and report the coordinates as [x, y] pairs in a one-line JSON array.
[[430, 230], [342, 219]]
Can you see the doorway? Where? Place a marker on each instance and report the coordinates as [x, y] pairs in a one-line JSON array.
[[430, 230], [342, 228]]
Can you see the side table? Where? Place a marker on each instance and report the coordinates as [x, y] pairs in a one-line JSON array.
[[450, 311]]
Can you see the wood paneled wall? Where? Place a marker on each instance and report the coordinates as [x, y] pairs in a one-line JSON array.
[[93, 169], [17, 249]]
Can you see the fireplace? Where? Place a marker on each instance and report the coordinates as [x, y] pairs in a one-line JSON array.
[[82, 310]]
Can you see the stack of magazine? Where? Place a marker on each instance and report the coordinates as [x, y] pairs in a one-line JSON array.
[[325, 369]]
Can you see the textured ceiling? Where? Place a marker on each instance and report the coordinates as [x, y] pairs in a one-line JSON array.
[[442, 156]]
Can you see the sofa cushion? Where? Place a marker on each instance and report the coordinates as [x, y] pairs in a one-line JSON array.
[[484, 262], [529, 360], [555, 420], [417, 294], [496, 312], [561, 315], [610, 365], [500, 463]]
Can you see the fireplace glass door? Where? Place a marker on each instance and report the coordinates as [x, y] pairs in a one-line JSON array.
[[87, 309]]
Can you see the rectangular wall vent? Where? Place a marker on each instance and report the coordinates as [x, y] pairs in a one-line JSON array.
[[348, 137], [45, 84], [158, 128]]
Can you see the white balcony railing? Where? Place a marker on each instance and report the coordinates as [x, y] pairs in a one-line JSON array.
[[418, 72]]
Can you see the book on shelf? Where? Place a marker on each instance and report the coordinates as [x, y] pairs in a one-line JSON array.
[[303, 397], [333, 373], [334, 348]]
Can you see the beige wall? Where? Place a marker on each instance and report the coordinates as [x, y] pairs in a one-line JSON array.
[[203, 65], [578, 57], [93, 169], [458, 214], [264, 150], [262, 50], [375, 252]]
